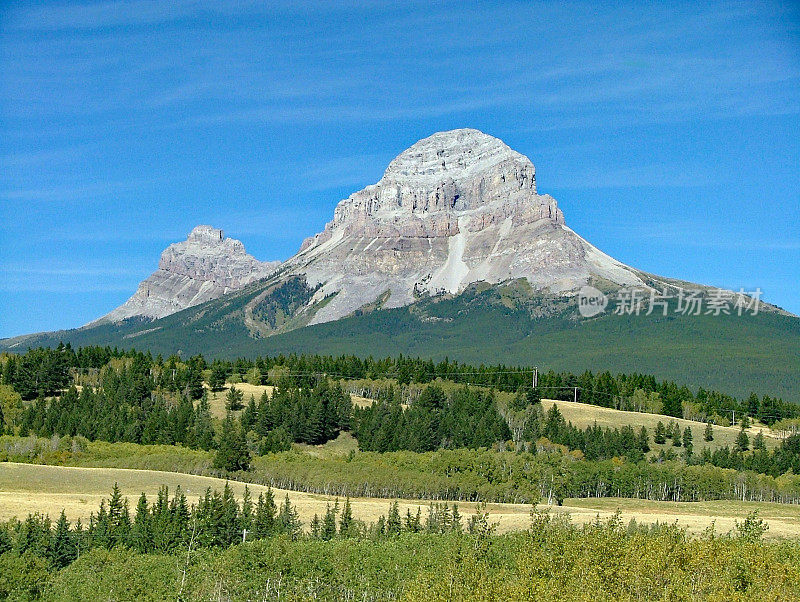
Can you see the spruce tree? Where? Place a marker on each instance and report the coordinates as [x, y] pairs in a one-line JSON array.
[[393, 523], [232, 454], [266, 512], [233, 399], [759, 443], [329, 523], [742, 441], [62, 549], [316, 527], [288, 521], [6, 543], [140, 537], [660, 435], [643, 440], [687, 439], [708, 434], [217, 378], [346, 522]]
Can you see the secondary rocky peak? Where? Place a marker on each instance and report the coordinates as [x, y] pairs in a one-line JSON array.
[[203, 267]]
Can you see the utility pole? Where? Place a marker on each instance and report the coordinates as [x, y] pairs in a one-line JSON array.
[[576, 394], [535, 381], [244, 535]]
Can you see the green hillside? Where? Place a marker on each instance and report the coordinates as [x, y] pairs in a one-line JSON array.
[[734, 354]]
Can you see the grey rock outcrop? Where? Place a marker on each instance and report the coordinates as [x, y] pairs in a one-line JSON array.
[[203, 267], [455, 208]]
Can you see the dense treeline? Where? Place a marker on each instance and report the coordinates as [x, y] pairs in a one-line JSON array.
[[311, 415], [464, 418], [218, 520], [552, 560], [45, 371]]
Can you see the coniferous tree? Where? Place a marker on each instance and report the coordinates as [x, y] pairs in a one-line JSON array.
[[62, 549], [346, 522], [742, 441], [687, 439], [328, 530], [216, 381], [288, 521], [232, 454], [708, 434], [660, 436], [316, 527], [759, 444], [393, 523], [233, 399], [140, 536], [265, 515], [6, 543], [643, 440], [203, 429]]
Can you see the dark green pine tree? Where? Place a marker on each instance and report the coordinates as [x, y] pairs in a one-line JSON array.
[[265, 515], [328, 530], [119, 522], [246, 514], [250, 415], [347, 526], [687, 439], [216, 381], [232, 454], [288, 521], [203, 429], [393, 523], [316, 527], [233, 399], [62, 549], [456, 527], [759, 443], [194, 384], [140, 538], [708, 433], [413, 522], [230, 519], [753, 404], [660, 436], [742, 441], [643, 441]]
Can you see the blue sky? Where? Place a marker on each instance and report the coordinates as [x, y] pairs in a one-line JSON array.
[[668, 133]]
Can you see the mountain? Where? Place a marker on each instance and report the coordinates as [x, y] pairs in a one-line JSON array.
[[456, 208], [203, 267], [452, 253]]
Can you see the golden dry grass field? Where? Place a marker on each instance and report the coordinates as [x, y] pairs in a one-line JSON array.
[[583, 415], [27, 488]]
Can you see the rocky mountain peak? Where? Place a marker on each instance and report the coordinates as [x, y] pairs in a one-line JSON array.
[[206, 234], [458, 156], [455, 208], [203, 267]]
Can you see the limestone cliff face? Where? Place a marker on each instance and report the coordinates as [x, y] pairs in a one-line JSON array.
[[455, 208], [203, 267]]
